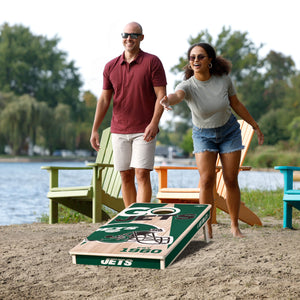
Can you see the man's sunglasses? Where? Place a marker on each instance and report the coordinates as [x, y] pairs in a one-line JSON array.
[[199, 57], [132, 35]]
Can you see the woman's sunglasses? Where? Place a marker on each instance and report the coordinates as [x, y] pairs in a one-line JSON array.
[[199, 57]]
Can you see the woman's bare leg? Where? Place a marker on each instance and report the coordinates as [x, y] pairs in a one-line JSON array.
[[206, 163], [230, 164]]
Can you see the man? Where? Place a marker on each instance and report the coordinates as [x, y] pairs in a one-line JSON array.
[[137, 82]]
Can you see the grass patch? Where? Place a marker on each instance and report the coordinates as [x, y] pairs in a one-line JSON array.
[[266, 203], [67, 215], [270, 156], [263, 203]]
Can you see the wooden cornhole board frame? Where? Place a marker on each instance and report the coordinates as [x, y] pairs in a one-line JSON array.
[[144, 235]]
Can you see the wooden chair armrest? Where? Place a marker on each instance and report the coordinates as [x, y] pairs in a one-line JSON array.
[[54, 171], [100, 165], [175, 168], [162, 168], [50, 168], [245, 168], [163, 172], [287, 168], [288, 178]]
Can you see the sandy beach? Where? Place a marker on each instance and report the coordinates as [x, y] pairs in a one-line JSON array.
[[35, 264]]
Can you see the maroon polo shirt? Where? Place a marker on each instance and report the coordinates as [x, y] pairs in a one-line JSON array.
[[134, 96]]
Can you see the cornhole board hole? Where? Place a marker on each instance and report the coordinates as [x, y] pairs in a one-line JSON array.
[[144, 235]]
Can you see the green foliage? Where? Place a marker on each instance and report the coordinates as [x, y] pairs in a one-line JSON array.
[[294, 129], [19, 121], [236, 47], [67, 215], [41, 101], [274, 125], [34, 65], [250, 91], [270, 156], [40, 95], [187, 142], [278, 66], [264, 203], [291, 101]]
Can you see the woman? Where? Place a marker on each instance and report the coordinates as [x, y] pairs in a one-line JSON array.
[[210, 95]]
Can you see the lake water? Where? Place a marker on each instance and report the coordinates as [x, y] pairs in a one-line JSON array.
[[24, 186]]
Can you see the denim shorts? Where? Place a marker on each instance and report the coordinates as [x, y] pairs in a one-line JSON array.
[[224, 139]]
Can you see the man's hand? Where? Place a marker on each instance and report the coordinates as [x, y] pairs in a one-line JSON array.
[[94, 140], [150, 133]]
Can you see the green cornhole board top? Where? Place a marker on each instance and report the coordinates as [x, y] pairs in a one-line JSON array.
[[144, 235]]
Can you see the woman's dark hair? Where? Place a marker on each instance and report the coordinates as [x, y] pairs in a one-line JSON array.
[[219, 67]]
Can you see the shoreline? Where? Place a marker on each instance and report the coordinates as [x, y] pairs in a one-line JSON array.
[[20, 159], [176, 161]]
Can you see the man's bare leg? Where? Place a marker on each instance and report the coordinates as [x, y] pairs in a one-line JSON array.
[[128, 187], [144, 191]]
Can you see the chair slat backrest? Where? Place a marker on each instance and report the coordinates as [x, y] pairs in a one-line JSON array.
[[111, 180], [247, 134]]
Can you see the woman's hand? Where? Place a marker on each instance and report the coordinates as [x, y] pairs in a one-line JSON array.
[[260, 136], [165, 103]]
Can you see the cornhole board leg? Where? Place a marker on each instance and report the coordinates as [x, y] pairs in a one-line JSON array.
[[144, 235], [205, 232]]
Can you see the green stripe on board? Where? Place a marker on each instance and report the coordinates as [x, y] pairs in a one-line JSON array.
[[118, 262], [185, 222], [176, 251]]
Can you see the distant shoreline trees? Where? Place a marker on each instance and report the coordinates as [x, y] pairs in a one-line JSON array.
[[41, 101], [40, 95]]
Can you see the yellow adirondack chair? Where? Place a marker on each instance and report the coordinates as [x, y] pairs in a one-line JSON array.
[[89, 200], [191, 195]]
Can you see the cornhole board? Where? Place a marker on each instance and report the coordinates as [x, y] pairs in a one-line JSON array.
[[144, 235]]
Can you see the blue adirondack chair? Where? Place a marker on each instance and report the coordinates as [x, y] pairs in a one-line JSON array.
[[89, 200], [291, 196]]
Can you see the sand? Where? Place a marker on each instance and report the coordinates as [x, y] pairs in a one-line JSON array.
[[35, 264]]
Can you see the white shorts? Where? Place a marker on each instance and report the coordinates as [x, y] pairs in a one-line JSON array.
[[132, 151]]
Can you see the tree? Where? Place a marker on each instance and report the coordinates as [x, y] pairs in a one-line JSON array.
[[19, 121], [294, 128], [63, 130], [250, 92], [278, 66], [291, 100], [279, 69], [187, 142], [274, 126], [34, 65]]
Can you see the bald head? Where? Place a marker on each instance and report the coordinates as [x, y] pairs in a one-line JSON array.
[[133, 27]]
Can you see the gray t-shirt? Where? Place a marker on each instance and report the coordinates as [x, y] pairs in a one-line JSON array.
[[208, 100]]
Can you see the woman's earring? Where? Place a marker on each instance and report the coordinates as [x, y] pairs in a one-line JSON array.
[[209, 65], [190, 67]]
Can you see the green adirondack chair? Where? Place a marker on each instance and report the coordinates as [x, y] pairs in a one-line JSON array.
[[89, 200]]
